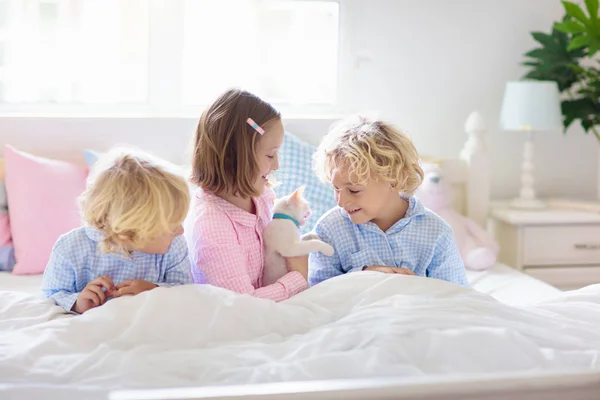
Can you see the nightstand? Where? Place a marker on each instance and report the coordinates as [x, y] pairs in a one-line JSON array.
[[558, 246]]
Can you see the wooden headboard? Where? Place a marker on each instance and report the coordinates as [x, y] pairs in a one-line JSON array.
[[470, 173]]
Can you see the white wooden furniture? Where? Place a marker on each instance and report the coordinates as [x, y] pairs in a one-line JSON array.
[[510, 386], [558, 246]]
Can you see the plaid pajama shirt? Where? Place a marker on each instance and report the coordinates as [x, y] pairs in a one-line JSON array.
[[76, 259], [421, 242], [226, 246]]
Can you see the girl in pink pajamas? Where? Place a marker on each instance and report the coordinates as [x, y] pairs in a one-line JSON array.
[[235, 151]]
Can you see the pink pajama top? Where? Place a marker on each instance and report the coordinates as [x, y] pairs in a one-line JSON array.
[[226, 246]]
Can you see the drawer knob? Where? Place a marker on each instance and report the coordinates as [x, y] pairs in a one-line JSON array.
[[587, 246]]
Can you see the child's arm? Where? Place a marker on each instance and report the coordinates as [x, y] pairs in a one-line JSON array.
[[178, 267], [225, 263], [60, 284], [226, 266], [447, 263], [178, 271], [59, 281]]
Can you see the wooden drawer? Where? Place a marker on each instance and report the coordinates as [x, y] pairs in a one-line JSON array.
[[566, 278], [561, 245]]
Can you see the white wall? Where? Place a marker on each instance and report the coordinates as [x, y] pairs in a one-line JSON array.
[[65, 138], [425, 65], [435, 61]]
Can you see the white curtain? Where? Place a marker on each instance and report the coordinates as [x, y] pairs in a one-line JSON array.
[[170, 53]]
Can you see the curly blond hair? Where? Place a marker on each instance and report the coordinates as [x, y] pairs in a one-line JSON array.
[[371, 149], [133, 197]]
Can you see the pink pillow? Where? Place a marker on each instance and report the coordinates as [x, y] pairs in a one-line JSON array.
[[42, 199]]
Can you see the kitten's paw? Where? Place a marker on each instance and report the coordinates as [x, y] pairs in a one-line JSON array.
[[327, 250], [310, 236]]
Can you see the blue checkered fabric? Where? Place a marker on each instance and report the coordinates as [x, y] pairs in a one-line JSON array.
[[295, 170], [7, 258], [421, 242], [76, 259]]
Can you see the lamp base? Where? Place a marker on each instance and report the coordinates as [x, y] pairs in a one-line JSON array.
[[527, 199], [528, 204]]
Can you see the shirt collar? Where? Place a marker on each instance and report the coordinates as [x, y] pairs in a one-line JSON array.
[[97, 236], [235, 213], [415, 209], [94, 234]]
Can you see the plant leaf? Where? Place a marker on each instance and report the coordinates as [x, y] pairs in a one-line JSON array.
[[559, 60], [539, 53], [570, 27], [552, 61], [567, 121], [576, 12], [545, 40], [586, 124], [583, 109], [578, 42], [592, 8], [593, 48]]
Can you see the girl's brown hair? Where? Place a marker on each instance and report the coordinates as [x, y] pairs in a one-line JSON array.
[[224, 156]]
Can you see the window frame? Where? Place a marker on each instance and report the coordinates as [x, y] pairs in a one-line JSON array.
[[164, 59]]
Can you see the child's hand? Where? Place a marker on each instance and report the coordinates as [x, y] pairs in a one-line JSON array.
[[298, 264], [390, 270], [93, 296], [133, 287]]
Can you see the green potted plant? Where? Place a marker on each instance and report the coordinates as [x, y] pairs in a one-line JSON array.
[[566, 56]]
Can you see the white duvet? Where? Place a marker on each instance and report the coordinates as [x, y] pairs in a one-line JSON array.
[[359, 325]]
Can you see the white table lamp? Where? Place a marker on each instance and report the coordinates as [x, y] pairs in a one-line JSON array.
[[530, 106]]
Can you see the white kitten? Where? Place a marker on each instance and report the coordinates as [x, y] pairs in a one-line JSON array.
[[282, 237]]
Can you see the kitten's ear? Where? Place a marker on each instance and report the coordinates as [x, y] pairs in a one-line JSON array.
[[298, 193]]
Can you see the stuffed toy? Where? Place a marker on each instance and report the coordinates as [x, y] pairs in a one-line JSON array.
[[477, 248]]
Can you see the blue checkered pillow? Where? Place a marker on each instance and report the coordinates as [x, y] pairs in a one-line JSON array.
[[295, 170]]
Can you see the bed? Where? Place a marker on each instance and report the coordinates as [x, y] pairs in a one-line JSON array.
[[512, 337], [504, 283]]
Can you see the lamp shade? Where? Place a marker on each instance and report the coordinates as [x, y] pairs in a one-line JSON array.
[[531, 105]]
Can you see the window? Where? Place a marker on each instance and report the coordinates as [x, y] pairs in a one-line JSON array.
[[285, 50], [166, 55], [73, 51]]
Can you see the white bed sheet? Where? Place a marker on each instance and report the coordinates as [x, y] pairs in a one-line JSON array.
[[20, 283], [504, 283], [501, 282], [510, 285], [362, 325]]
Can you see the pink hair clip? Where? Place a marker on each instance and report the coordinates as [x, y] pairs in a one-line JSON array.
[[256, 127]]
